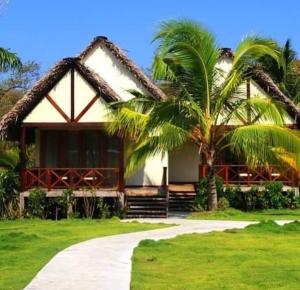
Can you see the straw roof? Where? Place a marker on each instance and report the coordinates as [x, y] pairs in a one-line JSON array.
[[10, 122], [117, 52]]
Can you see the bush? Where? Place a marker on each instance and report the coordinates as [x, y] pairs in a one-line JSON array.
[[67, 203], [273, 194], [223, 203], [37, 203], [201, 200], [9, 194], [103, 208], [290, 199]]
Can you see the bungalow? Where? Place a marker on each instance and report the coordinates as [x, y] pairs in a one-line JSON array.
[[64, 114]]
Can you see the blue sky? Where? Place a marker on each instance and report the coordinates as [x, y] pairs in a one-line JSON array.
[[47, 31]]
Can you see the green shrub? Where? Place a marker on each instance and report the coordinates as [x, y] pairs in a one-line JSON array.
[[37, 203], [9, 194], [289, 199], [103, 208], [273, 194], [223, 203], [233, 196], [67, 203], [201, 200]]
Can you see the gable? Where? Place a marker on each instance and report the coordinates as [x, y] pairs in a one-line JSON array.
[[72, 99], [106, 65]]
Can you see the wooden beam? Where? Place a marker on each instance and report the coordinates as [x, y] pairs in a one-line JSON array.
[[87, 125], [22, 155], [58, 109], [72, 94], [88, 106]]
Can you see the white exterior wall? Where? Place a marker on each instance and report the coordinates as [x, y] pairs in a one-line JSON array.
[[44, 112], [150, 174], [104, 63], [184, 164]]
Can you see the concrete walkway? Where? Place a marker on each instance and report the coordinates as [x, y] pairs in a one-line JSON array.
[[105, 263]]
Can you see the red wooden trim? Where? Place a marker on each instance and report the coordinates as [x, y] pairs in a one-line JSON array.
[[58, 108], [88, 106], [87, 125], [75, 178], [22, 155], [72, 94], [121, 165]]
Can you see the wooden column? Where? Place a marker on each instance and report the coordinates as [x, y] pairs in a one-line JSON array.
[[121, 167], [22, 155]]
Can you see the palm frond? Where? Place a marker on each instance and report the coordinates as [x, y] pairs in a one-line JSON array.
[[8, 60], [9, 159], [257, 142]]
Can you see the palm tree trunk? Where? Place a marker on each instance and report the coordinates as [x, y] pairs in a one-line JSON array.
[[211, 182]]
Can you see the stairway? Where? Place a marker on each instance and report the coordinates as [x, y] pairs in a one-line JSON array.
[[146, 207], [181, 197]]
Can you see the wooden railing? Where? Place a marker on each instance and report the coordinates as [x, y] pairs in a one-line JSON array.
[[74, 178], [243, 175]]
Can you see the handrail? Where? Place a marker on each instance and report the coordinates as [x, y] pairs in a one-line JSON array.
[[240, 174], [74, 178]]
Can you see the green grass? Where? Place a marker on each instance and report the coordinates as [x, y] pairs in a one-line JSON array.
[[263, 256], [234, 214], [27, 245]]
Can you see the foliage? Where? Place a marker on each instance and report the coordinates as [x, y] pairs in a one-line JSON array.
[[9, 159], [28, 245], [15, 83], [8, 60], [223, 203], [262, 256], [201, 199], [68, 202], [103, 208], [37, 203], [201, 103], [284, 71], [9, 188], [271, 195]]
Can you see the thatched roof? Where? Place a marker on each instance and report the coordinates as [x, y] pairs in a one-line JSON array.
[[10, 122], [268, 85], [129, 64], [226, 53]]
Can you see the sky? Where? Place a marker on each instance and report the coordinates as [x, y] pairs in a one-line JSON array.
[[49, 30]]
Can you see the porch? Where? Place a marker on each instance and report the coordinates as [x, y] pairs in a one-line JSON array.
[[65, 157], [242, 175]]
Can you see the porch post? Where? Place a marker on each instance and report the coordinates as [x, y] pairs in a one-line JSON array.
[[121, 167], [22, 156]]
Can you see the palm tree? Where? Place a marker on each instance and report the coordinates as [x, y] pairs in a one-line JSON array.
[[8, 60], [284, 74], [204, 105]]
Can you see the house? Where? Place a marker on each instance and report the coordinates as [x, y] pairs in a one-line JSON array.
[[64, 114]]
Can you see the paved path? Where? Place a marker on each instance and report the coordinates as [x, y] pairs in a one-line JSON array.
[[105, 263]]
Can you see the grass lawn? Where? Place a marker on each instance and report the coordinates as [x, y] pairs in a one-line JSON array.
[[263, 256], [27, 245], [234, 214]]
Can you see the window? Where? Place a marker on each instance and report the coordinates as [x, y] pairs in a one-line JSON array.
[[79, 149]]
